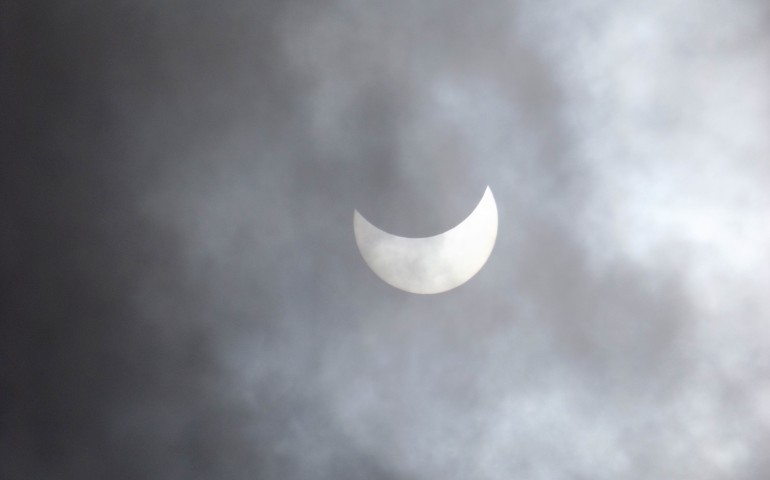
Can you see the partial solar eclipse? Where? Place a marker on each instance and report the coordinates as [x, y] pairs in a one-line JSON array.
[[430, 264]]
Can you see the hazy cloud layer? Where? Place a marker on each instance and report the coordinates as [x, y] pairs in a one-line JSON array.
[[183, 297]]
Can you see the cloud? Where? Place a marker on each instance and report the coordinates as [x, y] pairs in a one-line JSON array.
[[185, 298]]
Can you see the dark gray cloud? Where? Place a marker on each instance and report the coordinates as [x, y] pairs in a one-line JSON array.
[[183, 298]]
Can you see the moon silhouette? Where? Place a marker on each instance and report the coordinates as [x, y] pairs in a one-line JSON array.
[[430, 264]]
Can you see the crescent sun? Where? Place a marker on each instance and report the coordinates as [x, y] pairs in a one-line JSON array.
[[430, 264]]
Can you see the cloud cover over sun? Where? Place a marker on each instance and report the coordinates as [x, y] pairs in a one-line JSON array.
[[182, 293]]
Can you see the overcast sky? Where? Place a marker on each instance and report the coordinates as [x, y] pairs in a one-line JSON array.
[[182, 296]]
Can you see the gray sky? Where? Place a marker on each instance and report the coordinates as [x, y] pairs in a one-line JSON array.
[[182, 293]]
